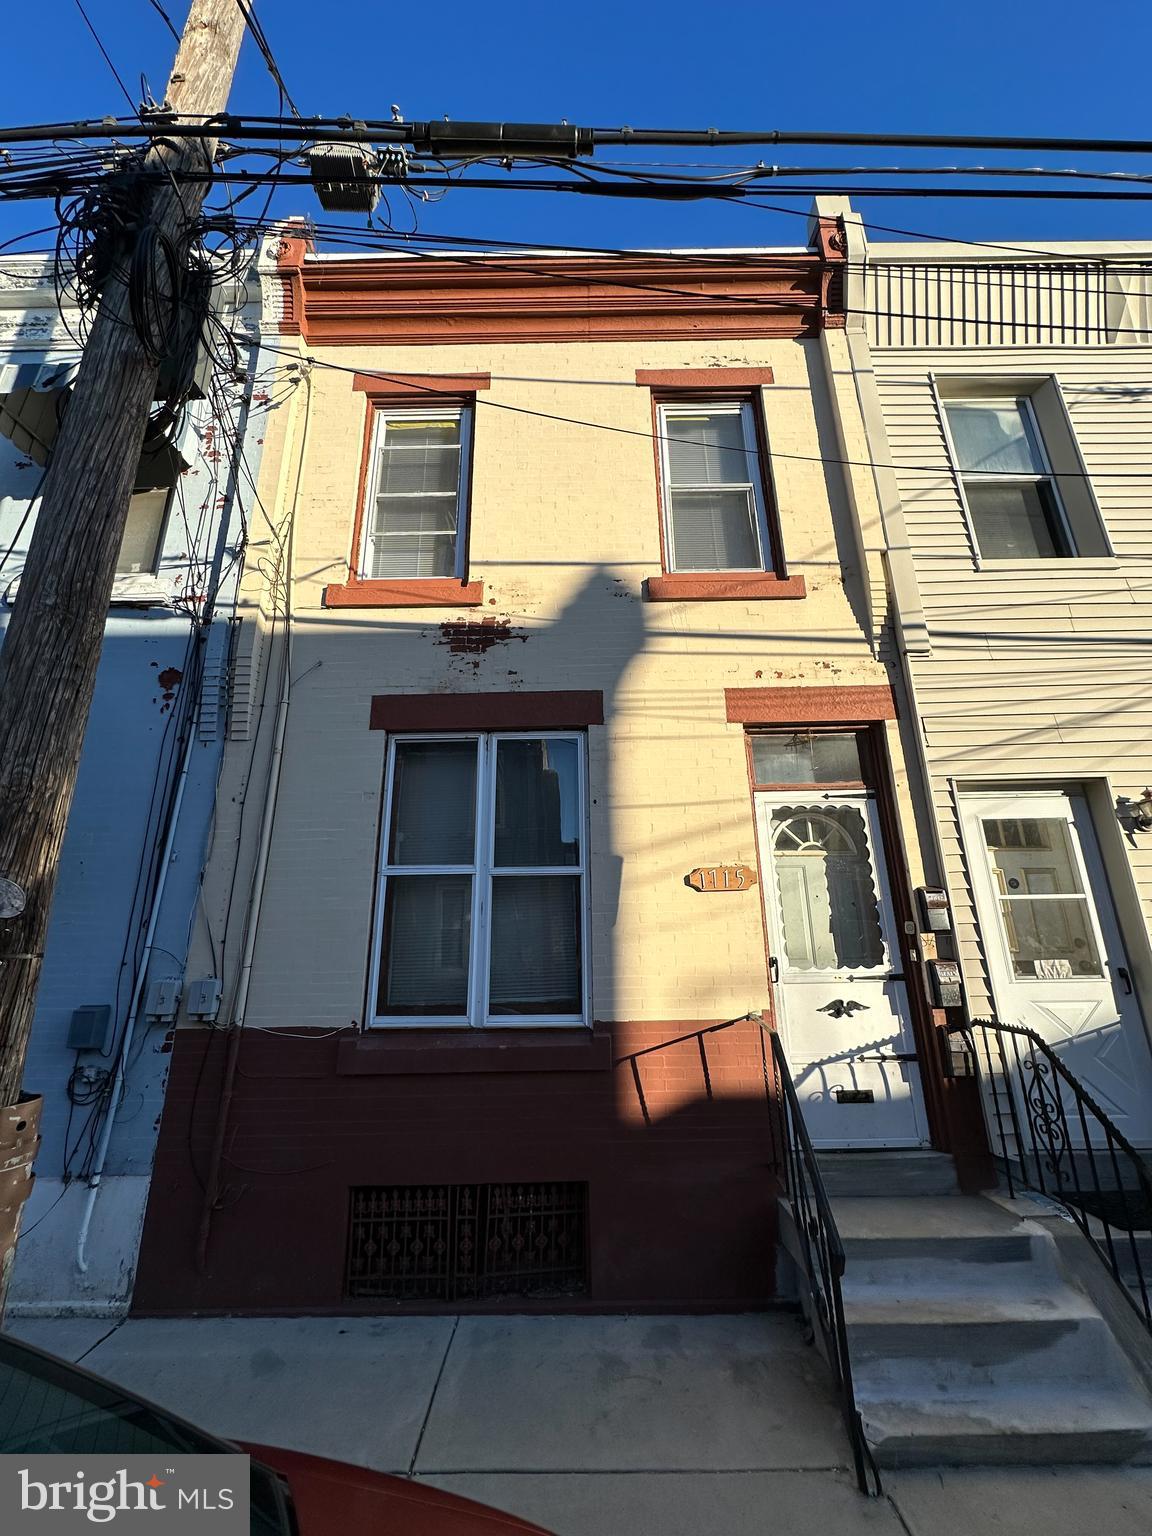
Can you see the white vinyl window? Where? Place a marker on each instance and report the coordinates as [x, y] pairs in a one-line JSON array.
[[482, 909], [714, 511], [1012, 496], [416, 508]]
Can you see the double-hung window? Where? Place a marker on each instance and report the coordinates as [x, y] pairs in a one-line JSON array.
[[715, 514], [482, 900], [1012, 495], [414, 522]]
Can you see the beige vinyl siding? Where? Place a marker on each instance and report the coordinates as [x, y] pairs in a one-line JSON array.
[[1037, 669]]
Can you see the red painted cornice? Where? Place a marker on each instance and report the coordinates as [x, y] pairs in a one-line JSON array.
[[410, 300]]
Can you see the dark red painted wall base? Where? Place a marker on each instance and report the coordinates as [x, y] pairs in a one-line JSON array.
[[678, 1144]]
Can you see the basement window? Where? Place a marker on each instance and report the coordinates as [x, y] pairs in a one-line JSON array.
[[446, 1242]]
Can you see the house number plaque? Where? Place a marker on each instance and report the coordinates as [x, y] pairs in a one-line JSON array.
[[723, 877]]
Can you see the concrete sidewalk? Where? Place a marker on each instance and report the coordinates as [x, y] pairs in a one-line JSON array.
[[591, 1426]]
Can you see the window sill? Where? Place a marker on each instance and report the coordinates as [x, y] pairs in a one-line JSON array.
[[130, 589], [423, 592], [1045, 562], [722, 586], [414, 1050]]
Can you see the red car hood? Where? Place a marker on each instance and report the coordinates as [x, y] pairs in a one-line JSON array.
[[334, 1498]]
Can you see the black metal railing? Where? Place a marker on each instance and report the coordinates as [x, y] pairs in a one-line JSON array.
[[1056, 1140], [822, 1260]]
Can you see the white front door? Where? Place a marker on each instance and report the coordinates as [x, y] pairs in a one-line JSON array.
[[841, 998], [1055, 959]]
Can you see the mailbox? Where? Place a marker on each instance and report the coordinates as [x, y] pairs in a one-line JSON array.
[[944, 982], [935, 914]]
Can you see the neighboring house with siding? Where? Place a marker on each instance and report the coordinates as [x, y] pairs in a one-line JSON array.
[[1009, 387], [142, 812]]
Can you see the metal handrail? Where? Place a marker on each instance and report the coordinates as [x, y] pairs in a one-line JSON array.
[[1036, 1106], [823, 1261]]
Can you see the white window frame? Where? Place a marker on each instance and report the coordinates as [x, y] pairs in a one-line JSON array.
[[666, 414], [482, 873], [384, 415], [1045, 475]]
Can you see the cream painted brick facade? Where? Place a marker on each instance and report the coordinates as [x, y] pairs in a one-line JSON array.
[[564, 528]]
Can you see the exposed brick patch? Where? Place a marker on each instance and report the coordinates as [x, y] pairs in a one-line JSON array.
[[473, 637]]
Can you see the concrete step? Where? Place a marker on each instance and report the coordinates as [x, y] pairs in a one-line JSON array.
[[955, 1358], [953, 1219], [1009, 1428], [969, 1343], [880, 1175]]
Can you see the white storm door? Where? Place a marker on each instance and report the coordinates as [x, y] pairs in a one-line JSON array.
[[840, 995], [1055, 958]]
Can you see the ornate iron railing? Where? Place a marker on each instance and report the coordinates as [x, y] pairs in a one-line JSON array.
[[822, 1260], [1056, 1140]]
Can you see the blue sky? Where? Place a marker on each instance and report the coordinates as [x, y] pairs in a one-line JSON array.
[[1031, 68]]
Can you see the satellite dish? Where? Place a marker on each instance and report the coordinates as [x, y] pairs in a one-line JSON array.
[[11, 899]]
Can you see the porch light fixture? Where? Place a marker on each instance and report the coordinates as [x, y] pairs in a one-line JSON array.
[[1137, 814]]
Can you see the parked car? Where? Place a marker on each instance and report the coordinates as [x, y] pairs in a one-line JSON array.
[[48, 1405]]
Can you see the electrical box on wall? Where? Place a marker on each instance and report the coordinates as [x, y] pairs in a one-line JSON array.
[[163, 999], [935, 914], [944, 982], [204, 997], [88, 1030]]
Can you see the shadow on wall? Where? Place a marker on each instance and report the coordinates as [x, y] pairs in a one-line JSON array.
[[667, 1124]]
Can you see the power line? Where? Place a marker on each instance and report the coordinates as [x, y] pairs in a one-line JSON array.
[[260, 38], [406, 382], [677, 191], [746, 256], [159, 9], [440, 136], [107, 56]]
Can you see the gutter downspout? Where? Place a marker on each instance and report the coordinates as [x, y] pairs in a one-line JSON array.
[[212, 1188]]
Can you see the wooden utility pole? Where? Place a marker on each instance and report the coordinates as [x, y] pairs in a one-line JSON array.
[[52, 648]]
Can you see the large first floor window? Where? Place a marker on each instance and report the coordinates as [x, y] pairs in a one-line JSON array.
[[481, 908]]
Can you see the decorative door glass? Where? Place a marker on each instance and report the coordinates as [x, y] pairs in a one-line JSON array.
[[1043, 905], [827, 889]]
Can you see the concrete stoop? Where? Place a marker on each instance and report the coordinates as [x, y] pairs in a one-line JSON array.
[[969, 1344]]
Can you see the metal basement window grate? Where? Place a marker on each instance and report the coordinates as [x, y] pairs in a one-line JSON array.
[[444, 1242]]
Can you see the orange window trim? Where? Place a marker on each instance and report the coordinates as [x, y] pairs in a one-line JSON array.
[[414, 386], [722, 586], [852, 704], [704, 378], [402, 592]]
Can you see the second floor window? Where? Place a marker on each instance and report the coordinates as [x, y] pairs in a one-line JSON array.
[[715, 517], [1012, 496], [414, 523]]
